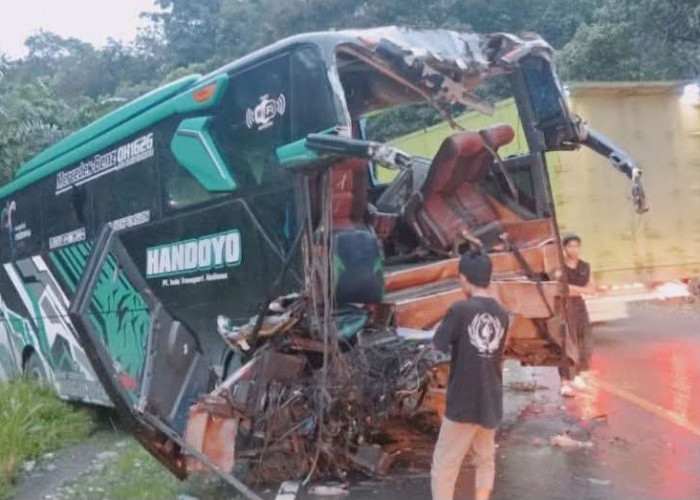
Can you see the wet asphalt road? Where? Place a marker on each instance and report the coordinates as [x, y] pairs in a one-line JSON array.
[[641, 415], [641, 412]]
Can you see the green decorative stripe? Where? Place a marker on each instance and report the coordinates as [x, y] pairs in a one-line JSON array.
[[121, 316], [20, 327], [182, 103], [84, 248], [108, 122], [62, 271], [72, 263], [194, 149], [77, 258]]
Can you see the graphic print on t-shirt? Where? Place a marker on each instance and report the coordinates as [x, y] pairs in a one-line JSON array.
[[485, 334]]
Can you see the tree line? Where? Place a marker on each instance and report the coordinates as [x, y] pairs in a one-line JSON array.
[[64, 83]]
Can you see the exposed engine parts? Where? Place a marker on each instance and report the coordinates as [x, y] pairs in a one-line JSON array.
[[287, 423]]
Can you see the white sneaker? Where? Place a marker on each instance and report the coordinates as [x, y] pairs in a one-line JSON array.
[[566, 391], [579, 383]]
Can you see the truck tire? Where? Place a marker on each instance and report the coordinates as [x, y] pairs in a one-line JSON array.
[[34, 368]]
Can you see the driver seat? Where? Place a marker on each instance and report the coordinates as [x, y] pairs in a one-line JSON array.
[[451, 199]]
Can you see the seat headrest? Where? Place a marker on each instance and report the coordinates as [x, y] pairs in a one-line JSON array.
[[468, 143], [456, 159], [499, 135]]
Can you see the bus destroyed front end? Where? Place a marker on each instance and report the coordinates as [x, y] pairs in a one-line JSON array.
[[309, 393], [342, 375]]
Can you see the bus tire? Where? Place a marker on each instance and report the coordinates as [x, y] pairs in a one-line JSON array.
[[34, 368]]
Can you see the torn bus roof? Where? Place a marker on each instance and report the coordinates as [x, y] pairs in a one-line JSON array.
[[443, 66]]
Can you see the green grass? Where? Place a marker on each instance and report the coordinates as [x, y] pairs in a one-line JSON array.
[[136, 474], [133, 474], [34, 421]]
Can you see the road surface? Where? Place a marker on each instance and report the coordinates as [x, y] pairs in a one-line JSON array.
[[638, 424], [641, 413]]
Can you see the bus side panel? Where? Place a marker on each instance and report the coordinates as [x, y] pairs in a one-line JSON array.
[[219, 260], [34, 298], [16, 332], [47, 230], [44, 294]]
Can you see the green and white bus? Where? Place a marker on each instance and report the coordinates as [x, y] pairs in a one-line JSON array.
[[195, 179]]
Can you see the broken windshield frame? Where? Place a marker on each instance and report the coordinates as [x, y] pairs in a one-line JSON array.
[[369, 91]]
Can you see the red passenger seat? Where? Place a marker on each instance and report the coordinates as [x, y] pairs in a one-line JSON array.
[[359, 273], [451, 199], [349, 182]]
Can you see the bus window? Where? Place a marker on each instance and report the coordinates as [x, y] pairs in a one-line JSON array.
[[127, 197], [253, 120], [21, 225], [66, 214], [312, 104], [182, 190], [271, 104]]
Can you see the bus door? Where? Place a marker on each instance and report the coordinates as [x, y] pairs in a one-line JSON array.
[[157, 370]]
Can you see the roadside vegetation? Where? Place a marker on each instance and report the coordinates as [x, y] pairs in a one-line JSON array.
[[63, 83], [34, 421], [133, 473]]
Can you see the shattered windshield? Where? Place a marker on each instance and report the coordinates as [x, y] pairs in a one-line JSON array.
[[367, 90]]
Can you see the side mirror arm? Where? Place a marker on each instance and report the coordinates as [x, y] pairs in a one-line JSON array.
[[619, 159]]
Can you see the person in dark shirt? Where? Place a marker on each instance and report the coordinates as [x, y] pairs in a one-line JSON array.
[[578, 276], [474, 332]]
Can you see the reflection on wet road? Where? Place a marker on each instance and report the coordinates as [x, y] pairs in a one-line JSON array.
[[641, 410]]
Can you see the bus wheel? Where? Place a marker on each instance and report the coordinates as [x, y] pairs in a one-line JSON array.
[[34, 368]]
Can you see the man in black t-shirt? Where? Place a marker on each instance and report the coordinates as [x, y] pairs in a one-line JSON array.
[[474, 331]]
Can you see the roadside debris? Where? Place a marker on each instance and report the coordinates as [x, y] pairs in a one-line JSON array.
[[328, 490], [525, 387], [565, 441], [288, 490], [672, 290]]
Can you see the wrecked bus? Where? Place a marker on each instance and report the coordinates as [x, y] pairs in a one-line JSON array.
[[216, 260]]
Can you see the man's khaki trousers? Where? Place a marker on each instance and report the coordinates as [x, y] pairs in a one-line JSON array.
[[455, 440]]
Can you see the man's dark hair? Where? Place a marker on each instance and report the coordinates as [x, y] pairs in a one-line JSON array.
[[476, 267], [568, 238]]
